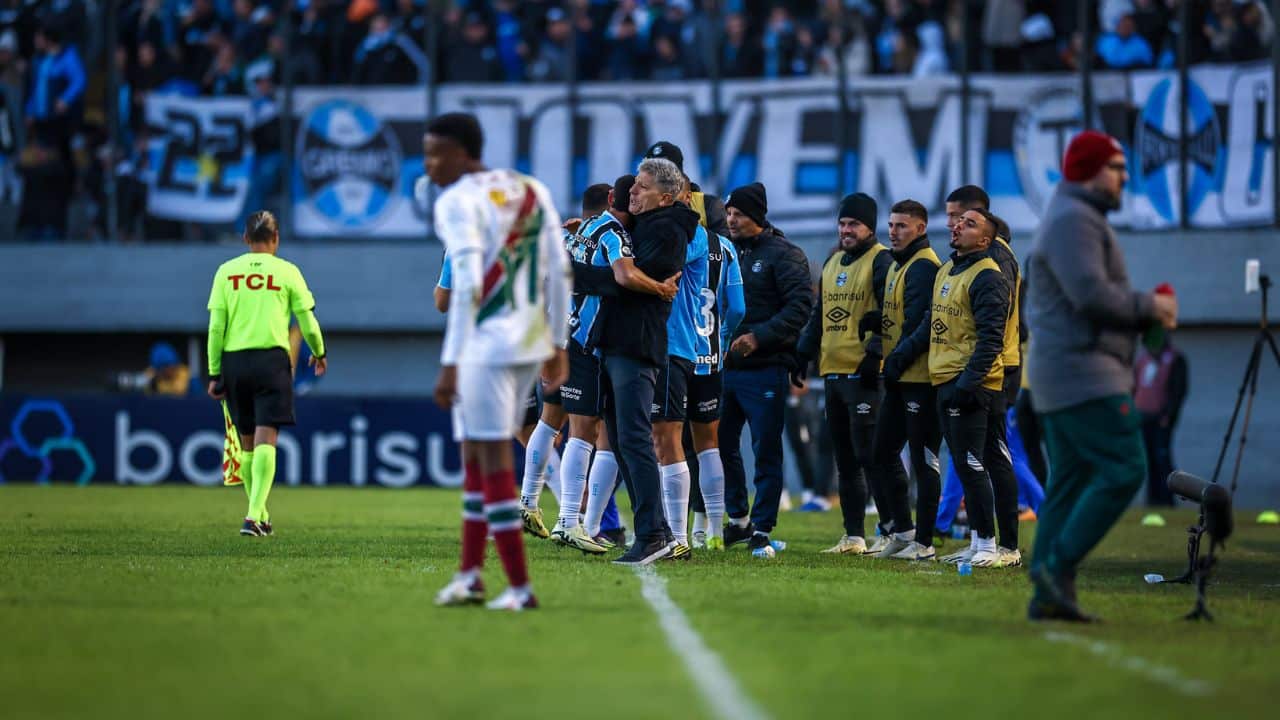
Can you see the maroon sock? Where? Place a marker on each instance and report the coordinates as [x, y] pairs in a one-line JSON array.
[[503, 512], [474, 526]]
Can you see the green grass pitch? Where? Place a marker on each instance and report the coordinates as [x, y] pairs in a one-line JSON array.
[[145, 603]]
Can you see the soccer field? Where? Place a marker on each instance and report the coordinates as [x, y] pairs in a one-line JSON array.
[[137, 603]]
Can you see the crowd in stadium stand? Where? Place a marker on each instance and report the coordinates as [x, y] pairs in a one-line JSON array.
[[52, 53]]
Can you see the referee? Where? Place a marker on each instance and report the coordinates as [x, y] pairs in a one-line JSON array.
[[249, 307]]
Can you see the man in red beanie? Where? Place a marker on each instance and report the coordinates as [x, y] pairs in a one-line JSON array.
[[1084, 319]]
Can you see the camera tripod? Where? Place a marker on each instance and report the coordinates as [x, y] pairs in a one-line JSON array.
[[1198, 568]]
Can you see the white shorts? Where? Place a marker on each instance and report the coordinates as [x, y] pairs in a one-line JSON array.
[[491, 400]]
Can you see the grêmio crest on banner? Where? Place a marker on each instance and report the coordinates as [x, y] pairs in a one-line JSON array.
[[358, 150], [200, 156]]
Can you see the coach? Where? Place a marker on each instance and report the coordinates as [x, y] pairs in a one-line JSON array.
[[776, 282], [1084, 317], [631, 333]]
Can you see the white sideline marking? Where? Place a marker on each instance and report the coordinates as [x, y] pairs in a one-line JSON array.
[[1116, 657], [719, 690]]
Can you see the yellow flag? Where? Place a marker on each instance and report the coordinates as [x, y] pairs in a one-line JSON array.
[[230, 450]]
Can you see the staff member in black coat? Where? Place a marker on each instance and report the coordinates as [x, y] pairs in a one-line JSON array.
[[775, 279], [631, 333]]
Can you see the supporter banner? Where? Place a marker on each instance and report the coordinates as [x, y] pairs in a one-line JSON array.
[[359, 151], [142, 440], [199, 156]]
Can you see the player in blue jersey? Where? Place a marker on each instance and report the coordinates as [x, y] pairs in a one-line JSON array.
[[722, 307]]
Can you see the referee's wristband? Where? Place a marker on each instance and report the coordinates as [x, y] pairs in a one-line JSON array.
[[320, 357], [215, 378]]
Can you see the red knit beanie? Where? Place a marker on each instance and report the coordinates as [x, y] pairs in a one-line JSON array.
[[1086, 155]]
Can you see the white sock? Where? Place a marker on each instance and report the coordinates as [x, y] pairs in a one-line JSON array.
[[676, 482], [973, 540], [600, 482], [551, 476], [536, 455], [987, 544], [907, 536], [806, 497], [711, 480], [741, 522], [575, 464], [699, 523]]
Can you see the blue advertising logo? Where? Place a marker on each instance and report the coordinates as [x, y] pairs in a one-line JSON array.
[[23, 440]]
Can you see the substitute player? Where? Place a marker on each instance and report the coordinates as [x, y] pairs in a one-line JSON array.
[[252, 298], [508, 316]]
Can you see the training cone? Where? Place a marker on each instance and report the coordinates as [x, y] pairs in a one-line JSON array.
[[1269, 517], [1153, 520]]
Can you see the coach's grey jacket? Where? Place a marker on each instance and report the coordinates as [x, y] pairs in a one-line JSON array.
[[1082, 314]]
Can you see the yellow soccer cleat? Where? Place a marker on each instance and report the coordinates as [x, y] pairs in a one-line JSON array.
[[715, 543], [531, 520]]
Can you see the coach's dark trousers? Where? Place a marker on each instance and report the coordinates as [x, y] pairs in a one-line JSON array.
[[628, 388], [759, 398]]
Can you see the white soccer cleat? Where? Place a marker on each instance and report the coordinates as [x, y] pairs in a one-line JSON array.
[[848, 545], [1010, 558], [895, 546], [878, 545], [699, 540], [987, 559], [461, 590], [512, 600], [917, 552], [577, 538], [965, 555]]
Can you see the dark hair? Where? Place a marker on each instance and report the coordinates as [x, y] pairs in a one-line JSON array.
[[261, 227], [912, 208], [991, 219], [462, 128], [595, 199], [1002, 228], [971, 196]]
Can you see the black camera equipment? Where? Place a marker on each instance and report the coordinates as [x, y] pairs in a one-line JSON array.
[[1215, 520]]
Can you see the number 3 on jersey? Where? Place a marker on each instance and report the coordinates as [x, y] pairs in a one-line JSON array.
[[707, 327]]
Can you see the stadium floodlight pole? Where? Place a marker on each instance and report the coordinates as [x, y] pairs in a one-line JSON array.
[[965, 88], [1085, 22], [286, 124], [1275, 120], [1184, 94], [571, 92], [431, 44], [713, 71], [110, 188], [842, 117]]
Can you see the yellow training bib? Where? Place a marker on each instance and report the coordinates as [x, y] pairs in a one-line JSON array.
[[848, 293], [952, 329], [893, 314]]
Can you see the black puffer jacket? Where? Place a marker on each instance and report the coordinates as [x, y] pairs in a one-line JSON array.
[[779, 293]]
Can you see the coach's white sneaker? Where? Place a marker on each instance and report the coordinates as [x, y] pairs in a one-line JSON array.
[[848, 545], [512, 600], [897, 543], [987, 559], [1010, 558], [915, 551], [965, 555]]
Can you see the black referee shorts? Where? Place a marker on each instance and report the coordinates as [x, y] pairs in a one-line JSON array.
[[259, 386]]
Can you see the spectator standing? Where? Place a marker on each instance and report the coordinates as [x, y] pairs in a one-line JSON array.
[[666, 65], [932, 59], [741, 57], [512, 47], [1039, 45], [1001, 25], [471, 57], [1160, 376], [553, 61], [804, 56], [850, 42], [224, 76], [12, 70], [627, 57], [54, 107], [264, 128], [1123, 48], [1252, 36], [386, 57], [249, 27], [778, 43], [199, 25]]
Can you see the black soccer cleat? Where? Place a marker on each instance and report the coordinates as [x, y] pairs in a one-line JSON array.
[[251, 528], [734, 535], [618, 536], [265, 527]]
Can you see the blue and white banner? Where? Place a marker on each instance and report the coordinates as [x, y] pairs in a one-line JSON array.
[[358, 150], [200, 156], [145, 440]]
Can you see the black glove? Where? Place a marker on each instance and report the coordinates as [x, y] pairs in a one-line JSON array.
[[798, 375], [893, 369], [869, 372], [869, 325], [965, 400]]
